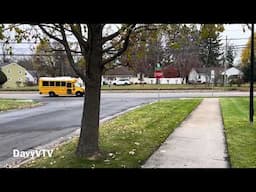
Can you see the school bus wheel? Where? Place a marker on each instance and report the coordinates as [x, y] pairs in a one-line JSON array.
[[79, 94], [52, 94]]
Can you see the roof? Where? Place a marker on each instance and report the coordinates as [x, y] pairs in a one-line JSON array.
[[232, 71], [5, 64], [57, 78], [33, 73]]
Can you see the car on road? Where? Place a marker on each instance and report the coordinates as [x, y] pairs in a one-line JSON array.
[[121, 82]]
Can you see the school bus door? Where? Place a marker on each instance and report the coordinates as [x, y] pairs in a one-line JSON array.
[[69, 88]]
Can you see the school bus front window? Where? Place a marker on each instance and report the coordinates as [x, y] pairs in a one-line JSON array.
[[68, 84]]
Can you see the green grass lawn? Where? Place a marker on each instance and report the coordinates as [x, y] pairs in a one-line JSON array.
[[241, 136], [127, 141], [7, 104]]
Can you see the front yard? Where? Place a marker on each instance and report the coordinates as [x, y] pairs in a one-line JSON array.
[[241, 136], [128, 140]]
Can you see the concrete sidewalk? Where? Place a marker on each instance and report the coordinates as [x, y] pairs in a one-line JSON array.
[[199, 142]]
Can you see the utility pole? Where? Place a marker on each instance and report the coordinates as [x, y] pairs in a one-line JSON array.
[[251, 77], [225, 64]]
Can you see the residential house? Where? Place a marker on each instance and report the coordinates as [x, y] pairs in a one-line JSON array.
[[32, 77], [205, 75], [118, 73], [17, 76], [232, 73]]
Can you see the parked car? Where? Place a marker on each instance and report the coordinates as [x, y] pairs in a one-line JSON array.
[[140, 82], [121, 82]]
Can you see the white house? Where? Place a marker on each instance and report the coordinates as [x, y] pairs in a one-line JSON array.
[[205, 75], [198, 75], [31, 77], [232, 72]]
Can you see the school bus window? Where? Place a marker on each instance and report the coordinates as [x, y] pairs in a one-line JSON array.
[[57, 83], [51, 83], [45, 83], [63, 84], [68, 84]]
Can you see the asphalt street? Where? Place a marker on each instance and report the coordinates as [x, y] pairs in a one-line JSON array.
[[28, 128]]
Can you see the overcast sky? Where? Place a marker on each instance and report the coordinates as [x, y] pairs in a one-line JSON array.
[[233, 32], [237, 37]]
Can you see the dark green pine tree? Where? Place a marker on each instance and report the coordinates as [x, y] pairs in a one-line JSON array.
[[210, 45], [230, 56]]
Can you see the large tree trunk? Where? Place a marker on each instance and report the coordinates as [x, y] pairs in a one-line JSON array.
[[89, 136]]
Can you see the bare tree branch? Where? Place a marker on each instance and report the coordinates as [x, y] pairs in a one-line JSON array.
[[50, 35], [54, 27], [123, 49], [106, 50], [78, 34], [69, 55], [147, 27], [114, 66], [110, 37], [72, 51], [114, 45]]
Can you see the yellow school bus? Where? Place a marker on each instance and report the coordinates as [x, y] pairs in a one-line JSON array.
[[54, 86]]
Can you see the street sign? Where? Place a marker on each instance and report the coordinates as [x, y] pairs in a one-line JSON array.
[[158, 67]]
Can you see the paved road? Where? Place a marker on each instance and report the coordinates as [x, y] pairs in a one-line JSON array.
[[28, 128]]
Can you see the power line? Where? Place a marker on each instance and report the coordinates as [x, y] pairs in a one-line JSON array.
[[29, 42], [24, 54]]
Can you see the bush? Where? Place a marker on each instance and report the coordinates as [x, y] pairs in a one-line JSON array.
[[237, 81]]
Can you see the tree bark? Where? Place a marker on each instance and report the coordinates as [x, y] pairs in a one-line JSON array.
[[89, 136]]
